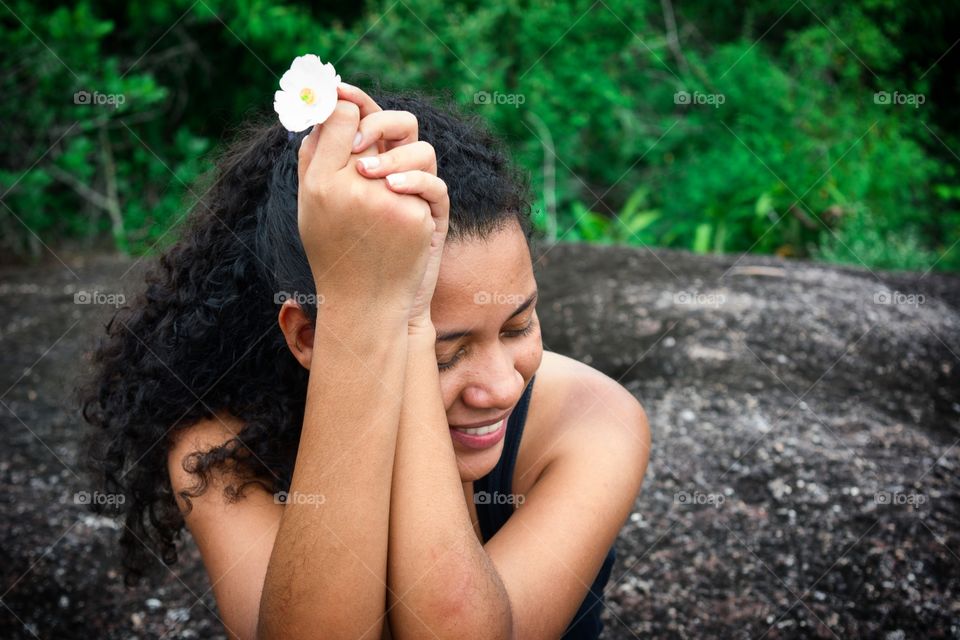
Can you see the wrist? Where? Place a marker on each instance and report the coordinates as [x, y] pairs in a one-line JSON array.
[[356, 305], [422, 330]]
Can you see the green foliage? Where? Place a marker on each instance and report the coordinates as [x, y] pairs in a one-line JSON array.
[[863, 243], [629, 226], [741, 130]]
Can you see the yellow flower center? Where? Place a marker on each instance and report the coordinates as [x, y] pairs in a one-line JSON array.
[[307, 95]]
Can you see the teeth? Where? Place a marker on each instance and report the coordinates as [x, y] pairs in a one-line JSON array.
[[480, 431]]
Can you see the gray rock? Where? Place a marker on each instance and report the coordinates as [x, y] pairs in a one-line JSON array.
[[812, 411]]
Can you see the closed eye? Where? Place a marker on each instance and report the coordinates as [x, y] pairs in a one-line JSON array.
[[517, 333], [522, 332]]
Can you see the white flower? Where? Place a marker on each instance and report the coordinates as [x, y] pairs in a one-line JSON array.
[[308, 93]]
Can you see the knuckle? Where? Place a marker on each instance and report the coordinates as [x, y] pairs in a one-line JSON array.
[[315, 189], [372, 122], [358, 194], [411, 206], [424, 147], [382, 199], [421, 211], [410, 120], [427, 153], [380, 120], [347, 110]]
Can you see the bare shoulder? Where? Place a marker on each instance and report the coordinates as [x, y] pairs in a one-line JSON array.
[[210, 431], [235, 538], [570, 388], [199, 437], [575, 406]]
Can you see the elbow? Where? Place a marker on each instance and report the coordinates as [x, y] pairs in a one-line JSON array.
[[482, 623], [510, 630], [476, 611]]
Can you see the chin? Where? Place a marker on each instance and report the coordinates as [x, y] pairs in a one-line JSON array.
[[473, 464]]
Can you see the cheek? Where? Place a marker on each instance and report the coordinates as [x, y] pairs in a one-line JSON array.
[[530, 356]]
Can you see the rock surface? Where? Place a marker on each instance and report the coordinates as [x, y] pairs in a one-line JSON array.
[[803, 480]]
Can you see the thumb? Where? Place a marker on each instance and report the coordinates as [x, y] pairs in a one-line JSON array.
[[308, 147]]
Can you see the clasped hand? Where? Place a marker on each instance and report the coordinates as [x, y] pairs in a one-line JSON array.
[[372, 213]]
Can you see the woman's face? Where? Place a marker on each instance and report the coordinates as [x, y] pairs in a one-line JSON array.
[[487, 351]]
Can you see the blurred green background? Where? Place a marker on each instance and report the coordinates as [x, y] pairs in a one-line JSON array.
[[809, 129]]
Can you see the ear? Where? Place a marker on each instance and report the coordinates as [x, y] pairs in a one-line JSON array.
[[298, 330]]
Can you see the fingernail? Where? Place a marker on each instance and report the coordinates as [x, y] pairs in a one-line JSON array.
[[369, 163], [357, 138], [346, 85], [396, 179]]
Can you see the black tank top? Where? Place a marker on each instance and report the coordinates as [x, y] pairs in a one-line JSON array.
[[494, 500]]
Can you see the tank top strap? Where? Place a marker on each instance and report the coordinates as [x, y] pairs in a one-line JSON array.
[[493, 493]]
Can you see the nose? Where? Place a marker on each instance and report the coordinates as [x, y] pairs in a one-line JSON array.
[[496, 383]]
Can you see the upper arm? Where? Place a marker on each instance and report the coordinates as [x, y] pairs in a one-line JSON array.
[[552, 547], [235, 539]]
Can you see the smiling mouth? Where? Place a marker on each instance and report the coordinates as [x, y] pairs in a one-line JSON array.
[[482, 437], [479, 431], [491, 425]]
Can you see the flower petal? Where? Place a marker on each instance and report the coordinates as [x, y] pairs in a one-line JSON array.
[[292, 80], [306, 64], [325, 104], [306, 71], [293, 113]]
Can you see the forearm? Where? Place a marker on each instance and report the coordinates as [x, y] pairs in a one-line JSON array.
[[327, 572], [461, 594]]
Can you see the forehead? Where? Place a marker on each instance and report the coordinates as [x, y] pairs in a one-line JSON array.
[[496, 267]]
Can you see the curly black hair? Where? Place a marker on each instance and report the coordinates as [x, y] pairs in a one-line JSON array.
[[202, 338]]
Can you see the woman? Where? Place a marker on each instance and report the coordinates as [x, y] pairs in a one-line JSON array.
[[327, 380]]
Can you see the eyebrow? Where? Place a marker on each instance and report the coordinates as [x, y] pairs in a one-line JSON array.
[[455, 335]]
